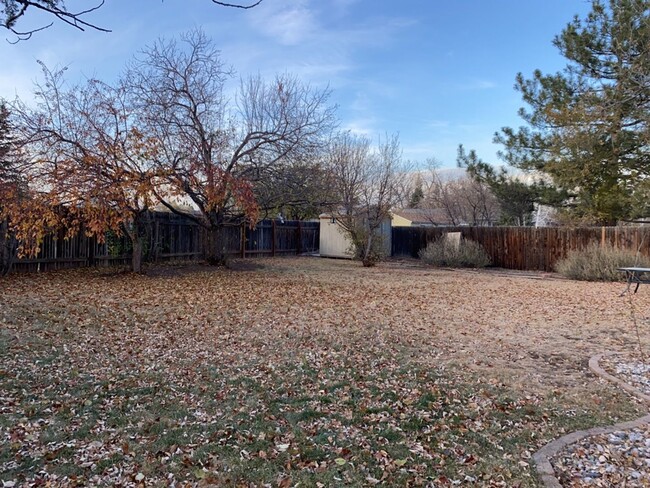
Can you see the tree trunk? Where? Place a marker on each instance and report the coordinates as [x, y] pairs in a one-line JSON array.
[[215, 248], [136, 234], [136, 257], [8, 248], [368, 259]]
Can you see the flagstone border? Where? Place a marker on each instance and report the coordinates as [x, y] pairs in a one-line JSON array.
[[543, 456]]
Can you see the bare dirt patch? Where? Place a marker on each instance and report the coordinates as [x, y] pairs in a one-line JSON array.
[[301, 370]]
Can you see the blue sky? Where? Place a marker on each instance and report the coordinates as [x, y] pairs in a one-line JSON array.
[[437, 72]]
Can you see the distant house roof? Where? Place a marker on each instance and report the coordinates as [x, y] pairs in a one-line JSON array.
[[424, 216]]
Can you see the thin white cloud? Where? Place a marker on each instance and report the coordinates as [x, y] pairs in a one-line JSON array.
[[469, 128], [401, 22], [300, 22], [362, 127], [344, 4], [420, 151], [308, 27], [321, 44], [476, 85], [289, 25], [17, 84], [436, 124], [320, 74], [485, 85], [442, 143], [369, 95]]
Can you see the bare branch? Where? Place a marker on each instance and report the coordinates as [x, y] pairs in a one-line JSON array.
[[14, 10], [235, 5], [59, 11]]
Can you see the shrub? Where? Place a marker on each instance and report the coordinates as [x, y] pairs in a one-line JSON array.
[[597, 263], [373, 256], [445, 253], [359, 235]]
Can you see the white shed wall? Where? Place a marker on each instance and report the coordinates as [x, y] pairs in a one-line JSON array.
[[335, 244]]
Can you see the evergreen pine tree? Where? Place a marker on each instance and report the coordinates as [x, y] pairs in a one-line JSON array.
[[588, 127]]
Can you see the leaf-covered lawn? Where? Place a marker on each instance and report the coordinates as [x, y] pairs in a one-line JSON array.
[[305, 372]]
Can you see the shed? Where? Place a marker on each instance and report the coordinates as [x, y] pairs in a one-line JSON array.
[[334, 243]]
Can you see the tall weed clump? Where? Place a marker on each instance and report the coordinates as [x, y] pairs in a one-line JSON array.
[[596, 263], [446, 253]]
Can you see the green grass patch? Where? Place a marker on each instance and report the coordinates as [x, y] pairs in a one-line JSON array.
[[203, 399]]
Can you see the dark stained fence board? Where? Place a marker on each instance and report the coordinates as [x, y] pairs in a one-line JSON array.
[[172, 237], [525, 248], [310, 237]]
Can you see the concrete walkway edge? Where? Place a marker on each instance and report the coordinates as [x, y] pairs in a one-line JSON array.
[[543, 456]]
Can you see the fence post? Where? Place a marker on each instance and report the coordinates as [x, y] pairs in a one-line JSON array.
[[299, 233], [273, 238], [91, 250], [243, 240], [156, 240]]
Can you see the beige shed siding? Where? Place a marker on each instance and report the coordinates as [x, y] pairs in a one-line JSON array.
[[333, 242], [399, 221]]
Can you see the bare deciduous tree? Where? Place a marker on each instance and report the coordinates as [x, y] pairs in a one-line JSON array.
[[298, 189], [369, 184], [462, 201], [213, 151]]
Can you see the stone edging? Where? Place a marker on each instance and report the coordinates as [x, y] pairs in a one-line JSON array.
[[543, 456], [595, 367]]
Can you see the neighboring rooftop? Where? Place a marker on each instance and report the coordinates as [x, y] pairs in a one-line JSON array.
[[424, 216]]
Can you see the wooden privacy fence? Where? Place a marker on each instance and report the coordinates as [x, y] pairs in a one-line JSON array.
[[525, 248], [172, 237], [274, 238]]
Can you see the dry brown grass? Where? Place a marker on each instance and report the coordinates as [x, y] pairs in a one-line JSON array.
[[511, 347]]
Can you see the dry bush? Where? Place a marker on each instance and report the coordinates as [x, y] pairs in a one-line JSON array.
[[446, 253], [596, 263]]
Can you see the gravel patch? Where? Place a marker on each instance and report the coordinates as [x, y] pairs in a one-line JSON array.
[[633, 372], [620, 458], [616, 459]]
